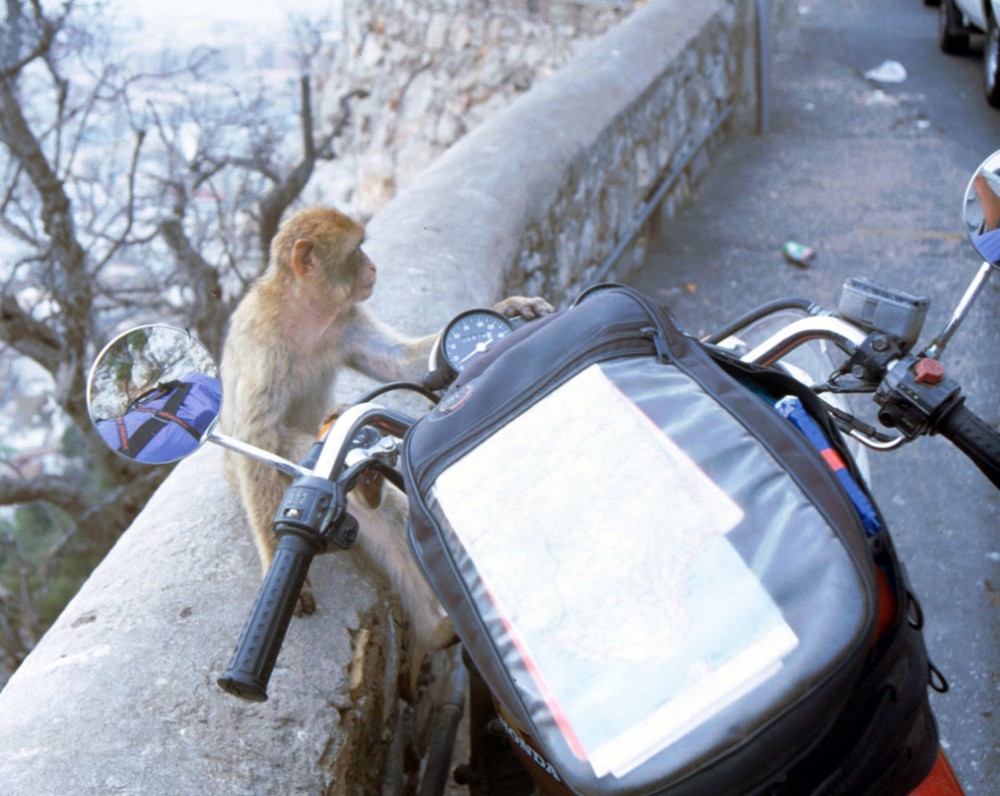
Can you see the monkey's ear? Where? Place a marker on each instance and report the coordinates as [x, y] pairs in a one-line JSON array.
[[303, 257]]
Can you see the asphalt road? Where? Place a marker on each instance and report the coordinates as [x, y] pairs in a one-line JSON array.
[[872, 175]]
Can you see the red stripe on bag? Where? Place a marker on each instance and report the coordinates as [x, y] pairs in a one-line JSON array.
[[832, 458]]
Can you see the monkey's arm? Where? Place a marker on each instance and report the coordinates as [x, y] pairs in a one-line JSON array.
[[379, 351]]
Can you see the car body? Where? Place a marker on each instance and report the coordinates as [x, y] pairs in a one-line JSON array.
[[976, 12], [957, 20]]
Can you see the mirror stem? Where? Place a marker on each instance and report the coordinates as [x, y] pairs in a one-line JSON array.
[[259, 454], [936, 348]]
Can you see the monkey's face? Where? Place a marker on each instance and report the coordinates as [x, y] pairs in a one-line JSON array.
[[364, 276], [349, 269], [323, 251]]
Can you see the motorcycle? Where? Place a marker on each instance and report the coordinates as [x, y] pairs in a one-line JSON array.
[[867, 347]]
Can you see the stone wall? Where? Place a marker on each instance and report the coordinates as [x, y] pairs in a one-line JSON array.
[[435, 70], [119, 697], [537, 200], [626, 148]]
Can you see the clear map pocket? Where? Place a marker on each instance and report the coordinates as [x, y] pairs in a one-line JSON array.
[[651, 580]]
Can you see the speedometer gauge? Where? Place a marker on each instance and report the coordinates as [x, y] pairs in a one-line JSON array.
[[470, 334]]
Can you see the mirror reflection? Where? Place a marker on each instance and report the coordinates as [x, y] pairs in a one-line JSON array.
[[154, 394], [982, 209]]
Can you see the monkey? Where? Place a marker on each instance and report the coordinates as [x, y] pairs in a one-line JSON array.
[[298, 325]]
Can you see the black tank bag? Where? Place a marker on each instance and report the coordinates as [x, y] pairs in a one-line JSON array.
[[660, 578]]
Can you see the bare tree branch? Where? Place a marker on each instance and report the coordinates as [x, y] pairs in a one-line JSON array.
[[69, 494], [28, 336], [274, 203], [16, 135], [202, 277], [49, 29], [6, 202], [129, 210]]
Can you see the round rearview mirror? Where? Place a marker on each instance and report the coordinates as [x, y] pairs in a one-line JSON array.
[[154, 394], [982, 209]]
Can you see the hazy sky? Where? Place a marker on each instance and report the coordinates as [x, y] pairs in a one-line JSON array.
[[227, 9]]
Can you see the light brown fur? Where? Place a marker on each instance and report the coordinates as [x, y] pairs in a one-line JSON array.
[[297, 326]]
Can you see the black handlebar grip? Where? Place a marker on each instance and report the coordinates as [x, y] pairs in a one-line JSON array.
[[257, 650], [974, 437]]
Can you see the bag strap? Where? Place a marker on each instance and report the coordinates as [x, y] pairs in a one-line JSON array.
[[132, 445], [670, 340], [153, 394]]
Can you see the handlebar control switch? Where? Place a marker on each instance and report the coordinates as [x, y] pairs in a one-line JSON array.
[[313, 509], [913, 396]]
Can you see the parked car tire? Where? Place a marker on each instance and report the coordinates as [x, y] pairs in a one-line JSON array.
[[952, 35], [932, 2], [991, 63]]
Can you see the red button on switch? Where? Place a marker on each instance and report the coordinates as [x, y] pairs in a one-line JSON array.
[[929, 371]]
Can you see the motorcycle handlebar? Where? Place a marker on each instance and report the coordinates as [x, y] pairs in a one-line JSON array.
[[257, 649], [974, 437]]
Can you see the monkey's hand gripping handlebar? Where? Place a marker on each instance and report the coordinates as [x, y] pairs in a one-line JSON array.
[[311, 519]]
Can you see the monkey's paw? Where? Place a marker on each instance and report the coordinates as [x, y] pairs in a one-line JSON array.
[[369, 489], [306, 603], [527, 308]]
